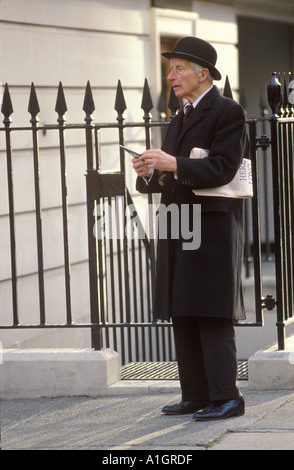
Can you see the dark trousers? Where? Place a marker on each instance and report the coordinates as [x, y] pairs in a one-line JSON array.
[[207, 358]]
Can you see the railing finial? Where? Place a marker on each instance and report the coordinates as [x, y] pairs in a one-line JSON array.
[[7, 108], [147, 103], [88, 106], [60, 106], [174, 103], [120, 104], [227, 89], [33, 107]]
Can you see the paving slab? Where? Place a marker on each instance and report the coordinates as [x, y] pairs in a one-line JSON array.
[[261, 440], [133, 422]]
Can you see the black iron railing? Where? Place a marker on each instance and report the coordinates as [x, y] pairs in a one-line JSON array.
[[121, 271], [281, 101]]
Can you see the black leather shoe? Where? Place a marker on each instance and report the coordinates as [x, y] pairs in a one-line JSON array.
[[221, 410], [184, 408]]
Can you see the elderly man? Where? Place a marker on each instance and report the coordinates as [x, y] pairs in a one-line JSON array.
[[200, 288]]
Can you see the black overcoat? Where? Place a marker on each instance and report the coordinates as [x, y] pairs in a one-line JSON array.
[[205, 281]]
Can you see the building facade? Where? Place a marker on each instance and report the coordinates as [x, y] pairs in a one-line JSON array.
[[73, 41]]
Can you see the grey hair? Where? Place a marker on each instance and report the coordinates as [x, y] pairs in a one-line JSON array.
[[198, 68]]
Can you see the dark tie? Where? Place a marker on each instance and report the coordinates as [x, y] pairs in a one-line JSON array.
[[188, 111]]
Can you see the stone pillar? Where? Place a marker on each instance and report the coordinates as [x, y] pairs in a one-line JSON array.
[[31, 373], [271, 368]]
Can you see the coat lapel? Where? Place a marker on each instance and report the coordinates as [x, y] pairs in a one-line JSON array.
[[174, 131], [198, 113]]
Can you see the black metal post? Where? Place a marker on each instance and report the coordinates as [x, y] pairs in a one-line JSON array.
[[34, 110], [7, 110], [89, 108], [61, 109], [256, 223], [274, 100]]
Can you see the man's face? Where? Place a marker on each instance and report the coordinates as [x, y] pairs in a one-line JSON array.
[[184, 79]]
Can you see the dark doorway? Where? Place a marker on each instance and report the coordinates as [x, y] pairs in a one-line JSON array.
[[166, 44], [264, 47]]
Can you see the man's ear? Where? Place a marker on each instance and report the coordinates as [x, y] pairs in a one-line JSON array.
[[203, 74]]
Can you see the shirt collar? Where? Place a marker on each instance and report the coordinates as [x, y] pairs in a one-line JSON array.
[[198, 99]]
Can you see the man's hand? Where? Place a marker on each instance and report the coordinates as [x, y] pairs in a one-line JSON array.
[[141, 168], [154, 159]]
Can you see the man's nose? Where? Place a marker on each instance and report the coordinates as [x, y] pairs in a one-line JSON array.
[[171, 75]]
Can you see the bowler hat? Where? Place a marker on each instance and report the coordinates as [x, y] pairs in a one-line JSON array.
[[196, 50]]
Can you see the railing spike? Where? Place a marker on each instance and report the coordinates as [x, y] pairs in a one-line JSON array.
[[147, 103], [33, 107], [120, 104], [173, 103], [60, 106], [89, 106], [7, 108], [227, 89]]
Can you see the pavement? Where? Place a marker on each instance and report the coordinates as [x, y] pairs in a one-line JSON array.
[[129, 419]]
